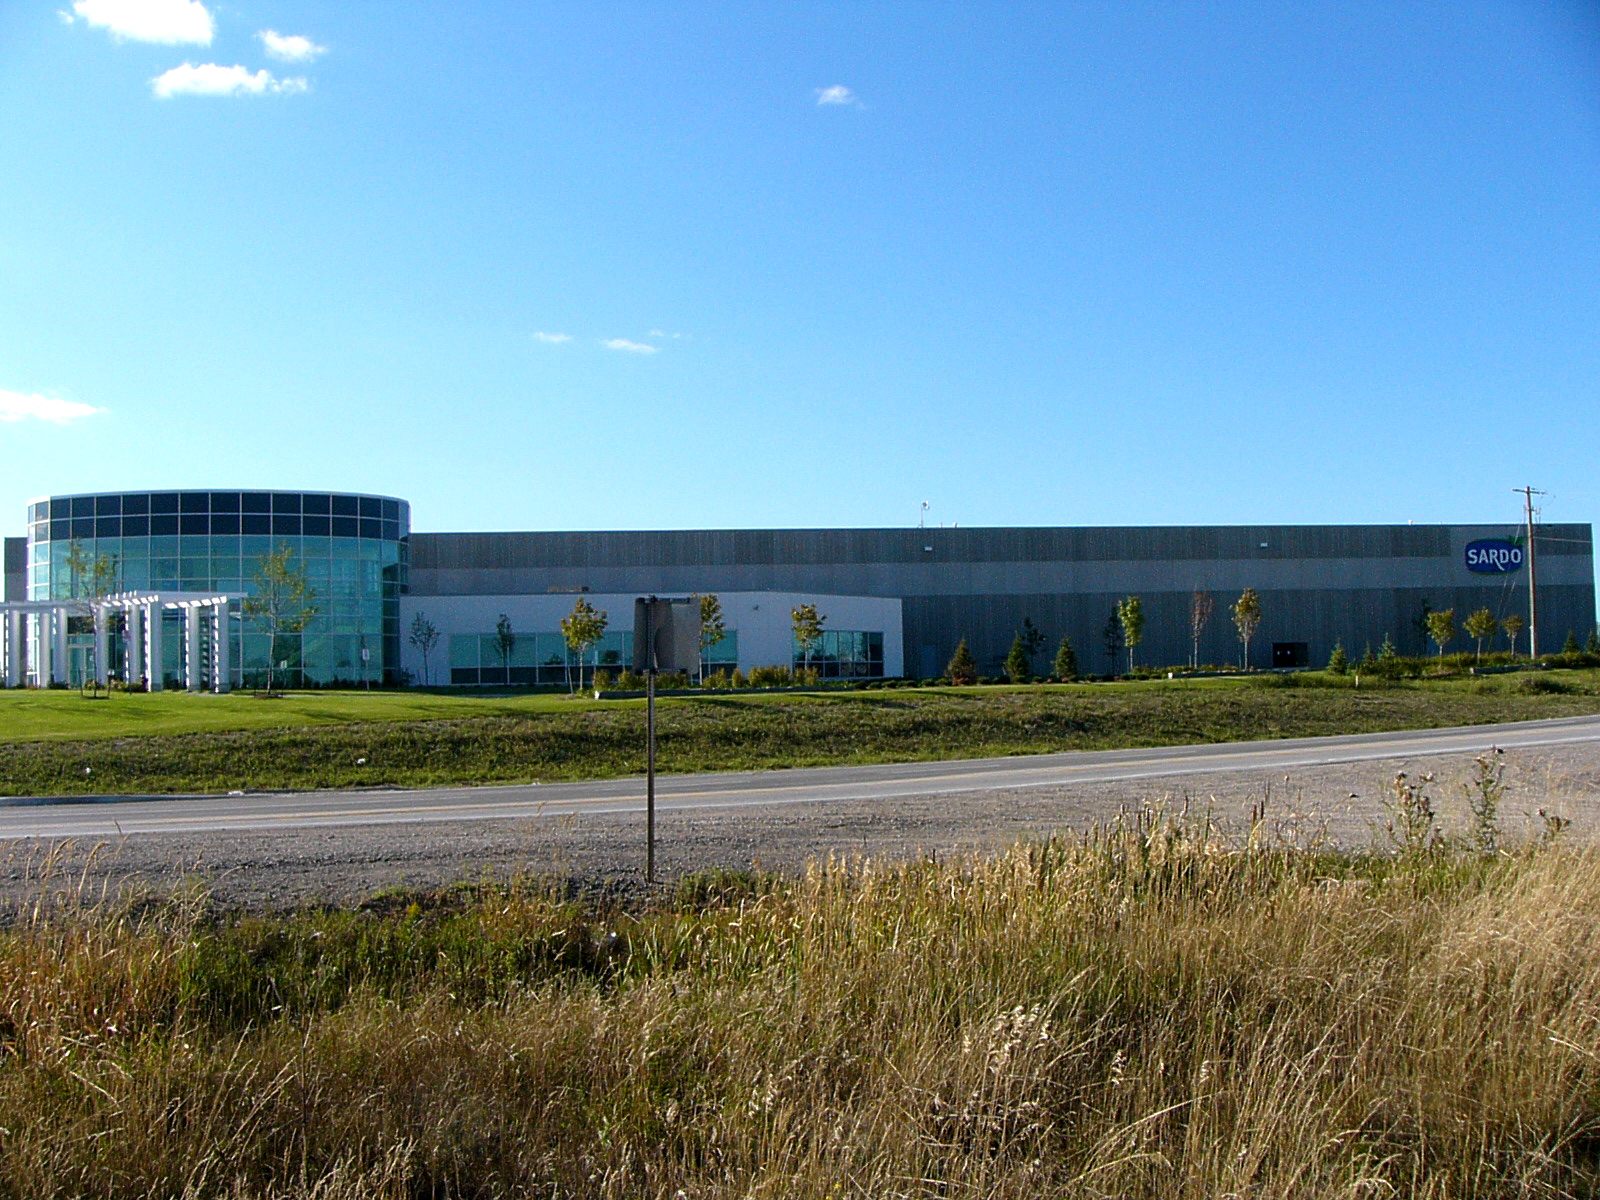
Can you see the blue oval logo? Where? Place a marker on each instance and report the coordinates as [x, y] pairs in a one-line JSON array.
[[1493, 556]]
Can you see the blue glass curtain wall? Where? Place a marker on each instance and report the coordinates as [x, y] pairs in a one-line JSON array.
[[353, 550]]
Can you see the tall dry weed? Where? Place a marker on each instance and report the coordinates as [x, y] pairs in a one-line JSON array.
[[1148, 1011]]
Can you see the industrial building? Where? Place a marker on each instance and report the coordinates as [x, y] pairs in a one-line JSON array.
[[894, 601]]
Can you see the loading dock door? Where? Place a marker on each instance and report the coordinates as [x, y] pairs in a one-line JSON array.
[[1291, 654]]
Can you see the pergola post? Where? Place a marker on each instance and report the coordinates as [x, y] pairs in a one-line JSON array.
[[134, 643], [191, 647], [152, 646], [59, 662], [14, 655], [221, 669], [102, 644]]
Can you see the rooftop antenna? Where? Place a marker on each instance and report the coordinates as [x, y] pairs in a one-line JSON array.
[[922, 517]]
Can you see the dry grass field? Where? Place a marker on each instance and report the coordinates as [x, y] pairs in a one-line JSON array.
[[1148, 1011]]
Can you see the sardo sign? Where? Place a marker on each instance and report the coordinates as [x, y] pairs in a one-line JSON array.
[[1493, 556]]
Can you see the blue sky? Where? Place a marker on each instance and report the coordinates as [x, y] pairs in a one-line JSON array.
[[806, 265]]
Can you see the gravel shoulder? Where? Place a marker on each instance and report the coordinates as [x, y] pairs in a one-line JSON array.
[[267, 871]]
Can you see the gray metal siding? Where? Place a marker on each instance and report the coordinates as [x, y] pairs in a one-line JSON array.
[[1318, 584], [16, 563], [820, 547]]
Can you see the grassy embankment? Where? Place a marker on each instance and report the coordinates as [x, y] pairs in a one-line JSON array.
[[59, 743], [1141, 1014]]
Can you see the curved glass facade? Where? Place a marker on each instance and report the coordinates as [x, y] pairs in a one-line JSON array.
[[353, 550]]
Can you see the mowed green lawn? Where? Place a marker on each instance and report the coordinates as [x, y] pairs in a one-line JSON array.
[[57, 743], [47, 716], [38, 716]]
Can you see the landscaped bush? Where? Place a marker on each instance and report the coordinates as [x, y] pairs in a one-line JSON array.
[[1544, 685]]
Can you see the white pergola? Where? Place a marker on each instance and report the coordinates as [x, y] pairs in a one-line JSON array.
[[33, 638]]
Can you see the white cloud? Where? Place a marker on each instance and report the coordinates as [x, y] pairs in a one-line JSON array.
[[664, 335], [837, 94], [627, 347], [169, 22], [23, 406], [212, 79], [290, 49], [552, 339]]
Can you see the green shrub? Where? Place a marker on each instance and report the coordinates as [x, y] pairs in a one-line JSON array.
[[1066, 662], [1018, 669], [1338, 661], [962, 670], [763, 677]]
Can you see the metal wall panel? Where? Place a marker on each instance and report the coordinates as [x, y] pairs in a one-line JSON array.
[[1318, 584], [16, 568]]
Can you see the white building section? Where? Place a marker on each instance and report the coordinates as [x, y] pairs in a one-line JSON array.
[[33, 639], [761, 621]]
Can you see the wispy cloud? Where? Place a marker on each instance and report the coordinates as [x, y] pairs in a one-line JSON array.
[[213, 79], [627, 347], [25, 406], [290, 49], [552, 339], [169, 22], [665, 336], [837, 94]]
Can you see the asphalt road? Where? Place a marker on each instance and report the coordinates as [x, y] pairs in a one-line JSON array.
[[103, 817]]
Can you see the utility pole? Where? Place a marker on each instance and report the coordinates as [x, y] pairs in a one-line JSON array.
[[1528, 493]]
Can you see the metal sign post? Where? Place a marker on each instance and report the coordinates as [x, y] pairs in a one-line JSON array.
[[650, 776], [666, 637]]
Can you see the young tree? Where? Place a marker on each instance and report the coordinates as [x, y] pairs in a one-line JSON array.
[[1018, 669], [962, 670], [1130, 613], [1512, 625], [1247, 619], [1442, 627], [1420, 622], [90, 580], [505, 641], [1111, 639], [283, 603], [1032, 641], [807, 625], [1338, 661], [1591, 644], [582, 628], [1387, 652], [1481, 626], [424, 636], [713, 628], [1066, 662], [1200, 607], [1570, 646]]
